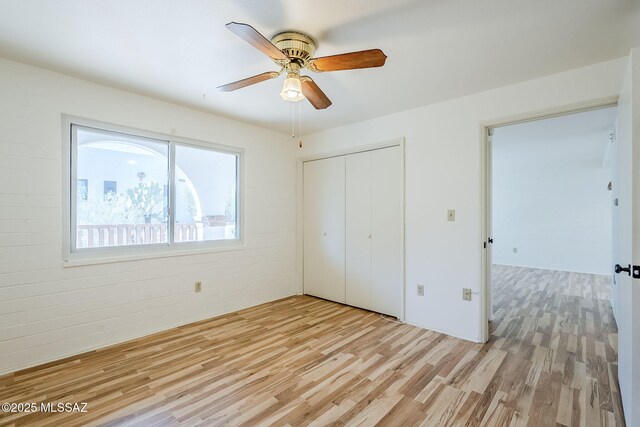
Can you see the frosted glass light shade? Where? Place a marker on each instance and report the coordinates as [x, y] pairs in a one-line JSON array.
[[292, 89]]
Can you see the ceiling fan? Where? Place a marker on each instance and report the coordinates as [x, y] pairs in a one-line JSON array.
[[293, 51]]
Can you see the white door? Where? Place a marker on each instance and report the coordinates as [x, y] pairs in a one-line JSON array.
[[324, 228], [488, 244], [358, 229], [615, 229], [626, 189], [387, 231]]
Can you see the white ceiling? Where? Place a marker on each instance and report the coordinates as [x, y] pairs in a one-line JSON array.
[[437, 49], [579, 138]]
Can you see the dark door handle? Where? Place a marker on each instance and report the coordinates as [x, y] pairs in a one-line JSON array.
[[619, 269]]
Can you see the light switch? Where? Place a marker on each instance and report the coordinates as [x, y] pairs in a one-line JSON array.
[[451, 215]]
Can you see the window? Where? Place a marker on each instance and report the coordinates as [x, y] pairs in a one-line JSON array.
[[157, 192], [206, 190], [110, 187]]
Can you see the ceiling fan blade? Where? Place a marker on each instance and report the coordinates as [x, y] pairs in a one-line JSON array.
[[248, 81], [349, 61], [249, 34], [314, 94]]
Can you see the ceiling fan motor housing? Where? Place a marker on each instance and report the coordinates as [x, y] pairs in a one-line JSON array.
[[298, 47]]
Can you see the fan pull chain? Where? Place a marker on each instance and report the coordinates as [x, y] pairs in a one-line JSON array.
[[293, 120], [300, 123]]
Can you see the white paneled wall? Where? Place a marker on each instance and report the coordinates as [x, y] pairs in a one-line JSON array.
[[48, 312]]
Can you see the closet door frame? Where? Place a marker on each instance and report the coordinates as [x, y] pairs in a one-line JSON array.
[[399, 142]]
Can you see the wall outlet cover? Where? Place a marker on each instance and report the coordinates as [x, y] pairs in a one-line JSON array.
[[198, 287], [420, 289], [466, 294], [451, 215]]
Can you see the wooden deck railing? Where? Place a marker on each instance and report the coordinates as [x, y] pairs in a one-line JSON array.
[[95, 236]]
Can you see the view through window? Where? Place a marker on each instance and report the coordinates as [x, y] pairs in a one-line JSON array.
[[123, 195]]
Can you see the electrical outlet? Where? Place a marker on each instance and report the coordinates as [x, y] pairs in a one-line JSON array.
[[466, 294], [451, 215], [515, 250], [420, 289], [198, 287]]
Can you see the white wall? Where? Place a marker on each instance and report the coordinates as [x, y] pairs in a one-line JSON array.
[[48, 312], [549, 192], [443, 171]]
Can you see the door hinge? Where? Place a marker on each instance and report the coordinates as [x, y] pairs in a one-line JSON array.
[[489, 240], [631, 270]]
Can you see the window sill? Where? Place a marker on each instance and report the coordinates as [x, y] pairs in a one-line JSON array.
[[77, 260]]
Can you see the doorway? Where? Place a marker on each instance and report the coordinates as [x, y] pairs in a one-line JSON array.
[[549, 254], [550, 193]]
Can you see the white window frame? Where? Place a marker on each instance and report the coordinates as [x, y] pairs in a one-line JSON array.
[[85, 256]]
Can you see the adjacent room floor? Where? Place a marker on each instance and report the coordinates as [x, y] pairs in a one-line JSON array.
[[302, 360]]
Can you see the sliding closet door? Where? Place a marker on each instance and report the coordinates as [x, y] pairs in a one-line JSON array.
[[324, 228], [358, 237], [387, 230]]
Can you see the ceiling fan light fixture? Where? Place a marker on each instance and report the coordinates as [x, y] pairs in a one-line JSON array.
[[292, 88], [293, 51]]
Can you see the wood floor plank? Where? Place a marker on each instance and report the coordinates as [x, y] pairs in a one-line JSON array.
[[551, 361]]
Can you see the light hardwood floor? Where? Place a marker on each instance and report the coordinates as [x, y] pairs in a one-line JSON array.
[[551, 361]]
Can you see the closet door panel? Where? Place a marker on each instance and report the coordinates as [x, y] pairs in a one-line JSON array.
[[387, 213], [358, 229], [324, 228]]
